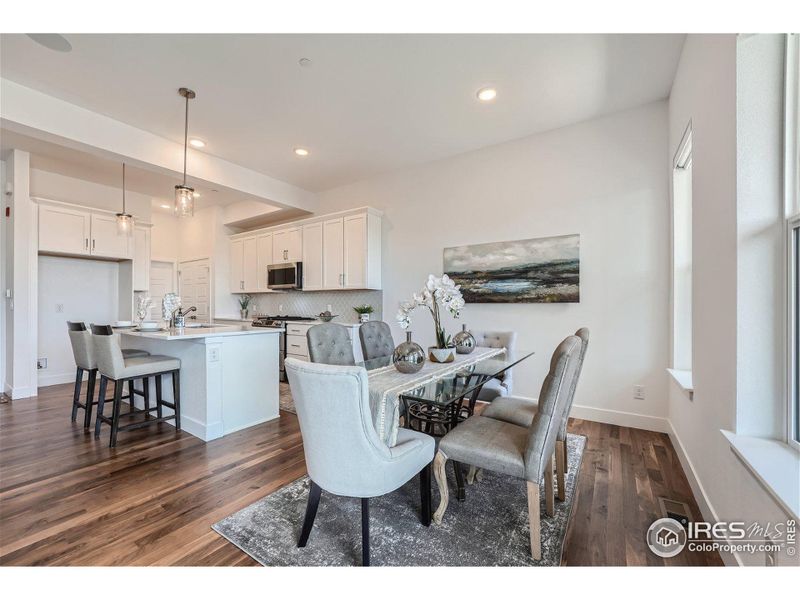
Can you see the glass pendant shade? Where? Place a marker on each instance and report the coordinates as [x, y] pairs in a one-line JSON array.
[[125, 224], [184, 201]]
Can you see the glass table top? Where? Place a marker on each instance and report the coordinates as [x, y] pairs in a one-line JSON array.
[[454, 386]]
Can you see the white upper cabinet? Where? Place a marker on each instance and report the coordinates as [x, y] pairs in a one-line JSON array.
[[250, 265], [237, 267], [264, 259], [64, 230], [312, 257], [106, 242], [287, 245], [362, 251], [333, 253], [141, 258]]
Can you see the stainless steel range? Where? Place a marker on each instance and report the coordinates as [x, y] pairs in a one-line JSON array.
[[279, 322]]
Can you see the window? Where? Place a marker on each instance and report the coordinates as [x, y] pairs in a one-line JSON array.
[[682, 255], [794, 329], [792, 194]]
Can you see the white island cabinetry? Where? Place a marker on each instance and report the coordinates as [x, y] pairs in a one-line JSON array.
[[229, 375]]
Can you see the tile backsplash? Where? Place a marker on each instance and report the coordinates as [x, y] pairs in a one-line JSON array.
[[306, 304]]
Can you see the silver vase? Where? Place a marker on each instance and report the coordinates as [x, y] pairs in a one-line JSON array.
[[409, 356], [464, 341]]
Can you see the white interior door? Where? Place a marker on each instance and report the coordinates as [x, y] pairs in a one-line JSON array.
[[194, 287], [162, 281]]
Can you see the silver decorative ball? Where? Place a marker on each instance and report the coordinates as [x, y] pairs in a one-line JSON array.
[[464, 341], [409, 356]]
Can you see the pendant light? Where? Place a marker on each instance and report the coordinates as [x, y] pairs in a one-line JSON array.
[[124, 220], [184, 195]]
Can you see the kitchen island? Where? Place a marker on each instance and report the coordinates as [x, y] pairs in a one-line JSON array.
[[229, 375]]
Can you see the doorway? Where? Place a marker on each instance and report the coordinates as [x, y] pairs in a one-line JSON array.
[[162, 282], [194, 287]]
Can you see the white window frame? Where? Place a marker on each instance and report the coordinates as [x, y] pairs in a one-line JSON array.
[[793, 399], [682, 160]]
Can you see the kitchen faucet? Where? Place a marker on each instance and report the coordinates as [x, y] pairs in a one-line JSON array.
[[179, 316]]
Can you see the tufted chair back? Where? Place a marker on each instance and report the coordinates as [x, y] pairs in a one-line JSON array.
[[110, 361], [498, 339], [376, 339], [553, 402], [82, 347], [583, 334], [329, 343]]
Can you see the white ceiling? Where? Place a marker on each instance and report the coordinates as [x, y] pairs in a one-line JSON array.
[[367, 104]]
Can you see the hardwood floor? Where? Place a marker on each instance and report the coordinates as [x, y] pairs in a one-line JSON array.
[[66, 499]]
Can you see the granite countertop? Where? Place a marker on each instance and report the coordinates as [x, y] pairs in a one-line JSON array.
[[189, 333]]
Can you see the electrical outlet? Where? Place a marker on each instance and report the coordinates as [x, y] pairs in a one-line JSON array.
[[59, 308], [213, 354], [638, 392], [41, 363]]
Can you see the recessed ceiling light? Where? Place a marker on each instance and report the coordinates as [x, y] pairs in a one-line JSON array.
[[304, 62], [301, 151], [53, 41], [165, 206], [197, 143], [487, 94], [196, 194]]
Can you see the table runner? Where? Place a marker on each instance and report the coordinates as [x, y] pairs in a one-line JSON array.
[[387, 383]]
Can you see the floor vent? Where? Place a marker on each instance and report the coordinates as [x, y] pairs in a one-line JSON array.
[[675, 510]]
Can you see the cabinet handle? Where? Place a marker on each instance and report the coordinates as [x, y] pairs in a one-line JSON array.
[[92, 244], [241, 285], [87, 243], [295, 345]]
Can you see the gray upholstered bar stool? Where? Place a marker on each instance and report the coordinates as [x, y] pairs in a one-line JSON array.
[[83, 353], [115, 367], [330, 344], [376, 340]]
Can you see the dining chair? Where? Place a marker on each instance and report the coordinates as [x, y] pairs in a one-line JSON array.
[[330, 344], [344, 455], [520, 411], [80, 339], [498, 386], [512, 450], [376, 340]]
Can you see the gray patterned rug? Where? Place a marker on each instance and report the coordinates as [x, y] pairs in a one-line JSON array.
[[489, 528]]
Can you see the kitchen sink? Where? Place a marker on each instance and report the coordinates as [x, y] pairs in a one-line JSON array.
[[194, 325]]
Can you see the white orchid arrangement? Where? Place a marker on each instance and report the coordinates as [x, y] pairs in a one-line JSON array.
[[438, 291]]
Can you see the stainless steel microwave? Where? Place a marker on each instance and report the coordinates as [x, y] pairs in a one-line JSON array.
[[285, 276]]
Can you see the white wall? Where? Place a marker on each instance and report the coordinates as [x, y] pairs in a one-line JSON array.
[[603, 179], [705, 93], [87, 290], [164, 236]]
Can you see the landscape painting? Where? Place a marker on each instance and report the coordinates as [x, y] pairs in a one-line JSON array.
[[535, 270]]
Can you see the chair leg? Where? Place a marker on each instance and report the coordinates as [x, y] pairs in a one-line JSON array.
[[101, 401], [473, 471], [314, 492], [87, 417], [115, 413], [441, 481], [425, 491], [548, 488], [146, 394], [365, 532], [76, 394], [561, 469], [176, 397], [159, 408], [131, 397], [533, 519], [460, 493]]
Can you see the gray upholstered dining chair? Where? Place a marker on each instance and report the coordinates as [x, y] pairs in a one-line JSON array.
[[503, 385], [83, 352], [114, 366], [512, 450], [376, 339], [343, 452], [520, 411], [330, 344]]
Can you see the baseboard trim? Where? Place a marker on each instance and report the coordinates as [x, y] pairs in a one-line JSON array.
[[621, 418], [703, 503], [20, 393], [58, 378]]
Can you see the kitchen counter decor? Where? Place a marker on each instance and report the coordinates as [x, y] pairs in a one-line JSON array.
[[438, 292]]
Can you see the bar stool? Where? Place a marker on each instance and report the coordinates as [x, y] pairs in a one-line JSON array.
[[83, 353], [113, 366]]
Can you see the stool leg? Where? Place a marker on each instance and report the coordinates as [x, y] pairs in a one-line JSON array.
[[76, 395], [101, 400], [158, 397], [131, 397], [87, 417], [146, 392], [115, 413], [176, 397]]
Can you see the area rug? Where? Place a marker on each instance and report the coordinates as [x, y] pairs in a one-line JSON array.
[[490, 528], [285, 400]]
